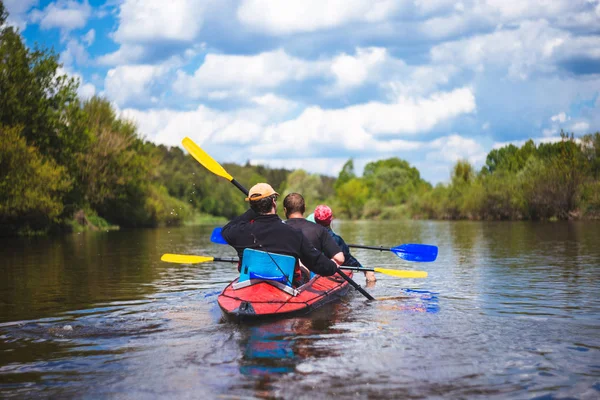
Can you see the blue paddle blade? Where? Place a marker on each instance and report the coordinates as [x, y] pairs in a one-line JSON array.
[[416, 252], [217, 237]]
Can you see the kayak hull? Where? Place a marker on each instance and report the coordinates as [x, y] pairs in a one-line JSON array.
[[263, 300]]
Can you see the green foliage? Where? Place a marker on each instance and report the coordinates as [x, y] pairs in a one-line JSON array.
[[351, 197], [164, 209], [309, 185], [3, 14], [31, 186], [36, 97], [392, 181], [548, 181], [345, 174]]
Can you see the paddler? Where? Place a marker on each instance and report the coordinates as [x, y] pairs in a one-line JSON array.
[[294, 208], [261, 228], [323, 216]]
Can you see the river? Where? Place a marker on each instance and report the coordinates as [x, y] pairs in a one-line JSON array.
[[509, 310]]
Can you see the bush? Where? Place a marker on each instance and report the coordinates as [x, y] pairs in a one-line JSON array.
[[31, 186]]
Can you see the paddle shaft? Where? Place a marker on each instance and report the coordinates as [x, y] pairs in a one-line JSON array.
[[240, 187], [231, 260], [360, 246], [354, 284]]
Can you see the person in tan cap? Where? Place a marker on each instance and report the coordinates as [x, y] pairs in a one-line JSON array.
[[261, 228]]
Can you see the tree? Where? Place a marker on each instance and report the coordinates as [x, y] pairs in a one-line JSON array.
[[308, 185], [345, 174], [31, 185], [352, 197], [35, 96]]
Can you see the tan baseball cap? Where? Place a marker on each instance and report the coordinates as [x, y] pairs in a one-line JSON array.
[[260, 191]]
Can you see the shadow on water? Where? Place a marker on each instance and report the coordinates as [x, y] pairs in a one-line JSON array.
[[276, 348]]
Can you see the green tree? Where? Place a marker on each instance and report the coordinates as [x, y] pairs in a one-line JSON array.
[[351, 197], [31, 185], [34, 95], [308, 185], [345, 174]]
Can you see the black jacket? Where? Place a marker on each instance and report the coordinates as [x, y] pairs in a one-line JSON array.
[[270, 233], [317, 235]]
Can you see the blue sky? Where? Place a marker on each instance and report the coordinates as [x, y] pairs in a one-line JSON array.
[[311, 83]]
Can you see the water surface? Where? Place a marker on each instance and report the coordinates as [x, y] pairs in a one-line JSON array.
[[509, 310]]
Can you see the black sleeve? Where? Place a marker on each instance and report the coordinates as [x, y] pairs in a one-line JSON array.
[[328, 244], [315, 260], [231, 231], [349, 259]]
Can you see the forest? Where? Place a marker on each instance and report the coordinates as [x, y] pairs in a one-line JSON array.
[[70, 164]]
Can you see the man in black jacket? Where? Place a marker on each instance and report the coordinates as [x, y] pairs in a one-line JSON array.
[[294, 207], [261, 228]]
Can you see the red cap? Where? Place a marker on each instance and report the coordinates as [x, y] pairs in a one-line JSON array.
[[323, 215]]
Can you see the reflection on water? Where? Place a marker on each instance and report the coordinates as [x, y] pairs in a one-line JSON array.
[[508, 310]]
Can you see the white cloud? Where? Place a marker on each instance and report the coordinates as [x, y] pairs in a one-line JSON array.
[[203, 123], [290, 16], [153, 29], [132, 83], [126, 54], [580, 127], [534, 46], [64, 14], [244, 74], [89, 37], [145, 21], [350, 71], [357, 128], [250, 133], [277, 105], [86, 90], [420, 80], [454, 148], [523, 9], [560, 117], [75, 53], [442, 27], [17, 12], [224, 76]]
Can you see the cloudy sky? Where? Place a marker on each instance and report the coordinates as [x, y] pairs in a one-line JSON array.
[[311, 83]]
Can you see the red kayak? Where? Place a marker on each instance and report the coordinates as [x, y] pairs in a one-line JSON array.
[[257, 299]]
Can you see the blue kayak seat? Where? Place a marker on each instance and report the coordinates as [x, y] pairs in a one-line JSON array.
[[257, 264]]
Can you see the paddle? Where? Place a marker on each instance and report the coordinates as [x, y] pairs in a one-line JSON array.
[[187, 259], [210, 163], [408, 252], [213, 166], [391, 272]]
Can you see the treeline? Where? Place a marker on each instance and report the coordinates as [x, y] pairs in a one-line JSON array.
[[547, 181], [534, 182]]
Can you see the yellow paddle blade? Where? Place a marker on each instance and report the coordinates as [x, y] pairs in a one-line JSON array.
[[402, 274], [207, 161], [183, 259]]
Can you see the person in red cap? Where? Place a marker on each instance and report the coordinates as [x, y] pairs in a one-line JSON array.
[[323, 216], [261, 228], [294, 207]]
